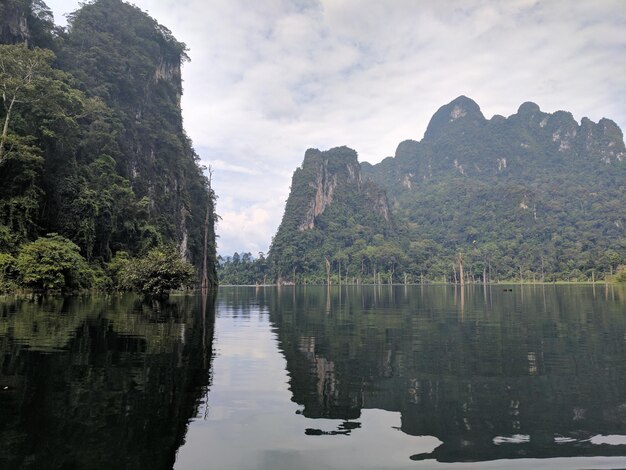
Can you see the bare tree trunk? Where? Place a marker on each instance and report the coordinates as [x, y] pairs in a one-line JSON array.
[[5, 129], [205, 274], [339, 270], [327, 272], [454, 269], [461, 269]]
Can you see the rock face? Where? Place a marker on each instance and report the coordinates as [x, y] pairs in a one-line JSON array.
[[534, 194], [109, 36], [344, 170], [129, 68], [328, 198], [461, 112], [334, 168], [28, 22]]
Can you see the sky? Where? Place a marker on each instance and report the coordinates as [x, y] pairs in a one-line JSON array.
[[269, 79]]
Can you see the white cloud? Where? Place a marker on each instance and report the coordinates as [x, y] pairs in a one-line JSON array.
[[247, 227], [270, 79], [221, 165]]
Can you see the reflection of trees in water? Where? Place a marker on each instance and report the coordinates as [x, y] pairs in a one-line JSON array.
[[546, 364], [103, 382]]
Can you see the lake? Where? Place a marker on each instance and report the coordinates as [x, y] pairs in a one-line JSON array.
[[349, 377]]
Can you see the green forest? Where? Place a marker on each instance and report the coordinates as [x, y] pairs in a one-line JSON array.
[[94, 159], [534, 197]]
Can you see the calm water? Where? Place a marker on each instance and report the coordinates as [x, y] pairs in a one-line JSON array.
[[310, 378]]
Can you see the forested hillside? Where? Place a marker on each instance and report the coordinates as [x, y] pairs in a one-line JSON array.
[[532, 196], [331, 217], [93, 146]]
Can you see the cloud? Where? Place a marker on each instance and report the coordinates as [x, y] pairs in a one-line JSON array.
[[270, 79], [221, 165], [245, 229]]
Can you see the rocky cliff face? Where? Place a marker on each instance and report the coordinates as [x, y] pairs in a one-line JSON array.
[[123, 175], [332, 169], [328, 200], [28, 22], [134, 64], [14, 23]]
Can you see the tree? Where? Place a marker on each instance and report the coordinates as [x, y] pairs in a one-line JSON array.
[[52, 263], [157, 273], [24, 75], [7, 272]]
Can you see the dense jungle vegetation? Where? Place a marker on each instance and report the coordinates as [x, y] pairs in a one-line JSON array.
[[532, 197], [93, 155]]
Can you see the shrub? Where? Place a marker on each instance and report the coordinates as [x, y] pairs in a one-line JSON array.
[[117, 269], [52, 263], [7, 272], [157, 273]]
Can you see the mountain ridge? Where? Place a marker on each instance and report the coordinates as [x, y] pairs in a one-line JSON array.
[[329, 202], [532, 195]]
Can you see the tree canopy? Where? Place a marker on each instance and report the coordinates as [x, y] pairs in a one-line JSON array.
[[92, 145]]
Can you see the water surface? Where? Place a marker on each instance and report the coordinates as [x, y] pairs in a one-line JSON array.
[[309, 377]]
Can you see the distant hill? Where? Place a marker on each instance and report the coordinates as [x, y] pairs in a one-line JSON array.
[[535, 195]]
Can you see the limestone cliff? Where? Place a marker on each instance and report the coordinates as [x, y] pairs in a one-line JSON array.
[[534, 195], [133, 63], [535, 190], [118, 173], [28, 22], [336, 167], [330, 205]]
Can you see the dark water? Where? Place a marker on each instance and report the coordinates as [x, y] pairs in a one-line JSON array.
[[268, 378]]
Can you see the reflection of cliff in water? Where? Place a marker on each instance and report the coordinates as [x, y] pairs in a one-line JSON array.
[[101, 383], [493, 374]]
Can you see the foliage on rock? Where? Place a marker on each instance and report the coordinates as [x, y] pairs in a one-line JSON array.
[[535, 196], [92, 145], [156, 274]]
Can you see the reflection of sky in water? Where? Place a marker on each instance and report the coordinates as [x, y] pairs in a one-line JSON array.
[[250, 420]]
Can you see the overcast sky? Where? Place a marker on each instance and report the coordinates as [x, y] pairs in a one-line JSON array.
[[270, 78]]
